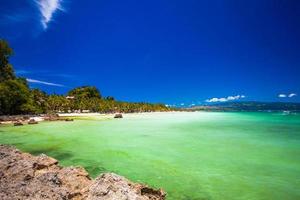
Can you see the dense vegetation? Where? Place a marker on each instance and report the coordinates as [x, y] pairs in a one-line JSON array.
[[17, 98]]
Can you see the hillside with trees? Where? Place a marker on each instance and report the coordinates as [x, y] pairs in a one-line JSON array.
[[16, 97], [248, 106]]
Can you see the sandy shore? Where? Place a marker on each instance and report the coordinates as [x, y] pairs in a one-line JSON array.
[[105, 116], [97, 116], [85, 115]]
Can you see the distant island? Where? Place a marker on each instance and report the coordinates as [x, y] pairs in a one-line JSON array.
[[249, 106], [17, 98]]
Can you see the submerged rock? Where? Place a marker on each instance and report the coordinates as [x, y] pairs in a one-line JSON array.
[[24, 176], [18, 124]]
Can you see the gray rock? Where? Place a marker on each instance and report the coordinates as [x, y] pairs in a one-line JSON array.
[[24, 176], [118, 115], [32, 121]]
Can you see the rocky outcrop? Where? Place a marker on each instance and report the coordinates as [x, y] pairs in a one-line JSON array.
[[24, 176], [118, 115], [19, 120], [51, 117], [32, 121], [14, 118]]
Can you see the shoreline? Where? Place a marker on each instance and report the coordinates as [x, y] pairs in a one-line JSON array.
[[11, 119]]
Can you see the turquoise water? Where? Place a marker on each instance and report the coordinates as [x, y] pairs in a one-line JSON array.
[[209, 156]]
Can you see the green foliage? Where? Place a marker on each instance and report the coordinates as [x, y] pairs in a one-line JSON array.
[[110, 106], [85, 92], [57, 103], [6, 70], [14, 97], [110, 98], [40, 101]]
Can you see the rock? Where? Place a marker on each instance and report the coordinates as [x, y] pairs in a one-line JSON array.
[[110, 186], [32, 121], [25, 117], [42, 161], [24, 176], [51, 117], [69, 120], [118, 115], [18, 123]]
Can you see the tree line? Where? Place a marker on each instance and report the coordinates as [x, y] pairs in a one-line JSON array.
[[16, 97]]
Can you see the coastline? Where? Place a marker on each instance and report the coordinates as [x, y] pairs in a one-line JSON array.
[[25, 119], [8, 120]]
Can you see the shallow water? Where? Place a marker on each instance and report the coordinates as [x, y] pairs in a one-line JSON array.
[[191, 155]]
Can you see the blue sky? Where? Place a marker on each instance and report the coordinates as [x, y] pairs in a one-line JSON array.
[[159, 51]]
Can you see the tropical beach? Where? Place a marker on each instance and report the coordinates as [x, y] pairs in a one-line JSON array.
[[149, 100]]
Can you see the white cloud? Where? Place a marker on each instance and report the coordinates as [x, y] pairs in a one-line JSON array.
[[292, 95], [224, 99], [230, 98], [282, 95], [285, 95], [43, 82], [47, 9]]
